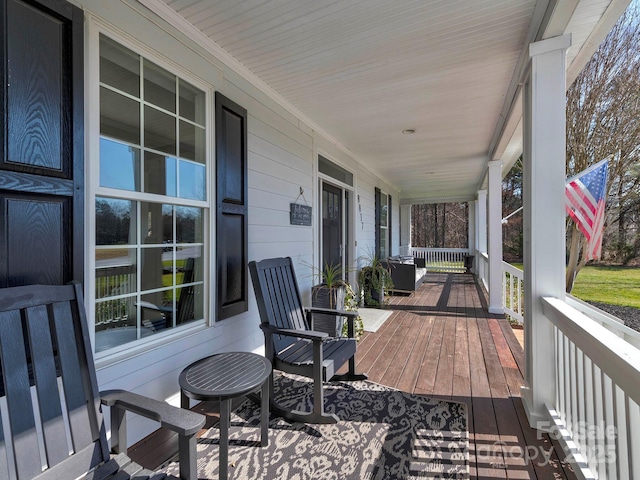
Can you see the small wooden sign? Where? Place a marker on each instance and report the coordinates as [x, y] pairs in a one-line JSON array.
[[300, 214]]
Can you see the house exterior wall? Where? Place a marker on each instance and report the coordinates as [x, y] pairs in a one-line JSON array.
[[282, 159]]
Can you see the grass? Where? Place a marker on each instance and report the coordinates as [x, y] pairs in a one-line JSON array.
[[607, 284], [612, 285]]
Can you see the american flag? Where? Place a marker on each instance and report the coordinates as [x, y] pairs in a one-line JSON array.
[[586, 197]]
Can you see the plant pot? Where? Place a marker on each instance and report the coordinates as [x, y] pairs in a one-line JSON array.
[[323, 297]]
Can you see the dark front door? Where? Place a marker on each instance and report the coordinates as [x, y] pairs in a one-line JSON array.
[[331, 225], [41, 165]]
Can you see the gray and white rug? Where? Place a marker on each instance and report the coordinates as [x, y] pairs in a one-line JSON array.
[[382, 434]]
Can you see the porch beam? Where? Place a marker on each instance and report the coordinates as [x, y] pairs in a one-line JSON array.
[[494, 247], [544, 217]]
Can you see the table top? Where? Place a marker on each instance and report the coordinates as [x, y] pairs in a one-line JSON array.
[[224, 375]]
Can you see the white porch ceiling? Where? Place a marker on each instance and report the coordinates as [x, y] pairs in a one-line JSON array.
[[364, 70]]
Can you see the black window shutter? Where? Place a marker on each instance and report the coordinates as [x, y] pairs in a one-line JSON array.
[[377, 241], [232, 208]]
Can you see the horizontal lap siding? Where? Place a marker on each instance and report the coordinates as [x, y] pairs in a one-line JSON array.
[[281, 160]]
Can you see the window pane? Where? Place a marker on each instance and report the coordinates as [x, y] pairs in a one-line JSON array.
[[192, 103], [167, 224], [192, 180], [327, 167], [119, 165], [156, 267], [159, 131], [160, 174], [384, 250], [159, 86], [189, 225], [119, 67], [384, 207], [157, 310], [115, 271], [115, 322], [157, 223], [192, 141], [198, 264], [115, 222], [119, 116]]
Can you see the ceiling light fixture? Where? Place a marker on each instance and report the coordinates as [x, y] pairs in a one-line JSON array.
[[409, 131]]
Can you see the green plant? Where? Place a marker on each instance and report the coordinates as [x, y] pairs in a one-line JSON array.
[[374, 281], [330, 277], [351, 305]]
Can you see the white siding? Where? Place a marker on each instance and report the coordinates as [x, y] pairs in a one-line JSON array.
[[282, 152]]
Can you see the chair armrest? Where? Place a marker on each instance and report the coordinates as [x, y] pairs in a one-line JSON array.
[[307, 334], [184, 422], [331, 311]]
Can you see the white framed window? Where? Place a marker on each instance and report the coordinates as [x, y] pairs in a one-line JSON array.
[[151, 198], [384, 225]]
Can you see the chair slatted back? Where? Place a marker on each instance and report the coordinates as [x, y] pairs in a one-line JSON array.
[[48, 385], [278, 297]]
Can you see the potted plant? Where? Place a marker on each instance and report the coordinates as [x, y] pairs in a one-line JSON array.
[[329, 293], [374, 280], [351, 305]]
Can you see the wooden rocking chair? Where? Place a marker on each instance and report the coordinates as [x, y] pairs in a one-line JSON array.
[[50, 393], [290, 342]]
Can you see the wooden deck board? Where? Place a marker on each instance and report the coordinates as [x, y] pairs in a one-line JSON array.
[[441, 341]]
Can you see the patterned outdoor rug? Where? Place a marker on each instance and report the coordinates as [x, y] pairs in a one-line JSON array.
[[382, 434]]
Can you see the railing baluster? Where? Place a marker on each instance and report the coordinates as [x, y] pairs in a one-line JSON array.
[[560, 382], [612, 464], [633, 416], [589, 414], [580, 407], [600, 446], [620, 416]]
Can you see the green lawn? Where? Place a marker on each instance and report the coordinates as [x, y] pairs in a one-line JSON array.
[[612, 285]]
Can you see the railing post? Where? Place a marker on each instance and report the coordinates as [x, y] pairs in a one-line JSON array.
[[544, 217]]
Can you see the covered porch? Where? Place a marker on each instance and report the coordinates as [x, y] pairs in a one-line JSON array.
[[442, 342]]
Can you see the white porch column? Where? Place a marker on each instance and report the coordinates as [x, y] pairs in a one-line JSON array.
[[481, 236], [481, 223], [544, 216], [405, 229], [495, 237], [471, 213]]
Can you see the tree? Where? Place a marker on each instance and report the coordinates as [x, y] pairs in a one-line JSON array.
[[603, 121], [512, 236], [440, 225]]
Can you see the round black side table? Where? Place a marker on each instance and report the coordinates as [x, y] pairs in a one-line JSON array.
[[223, 377]]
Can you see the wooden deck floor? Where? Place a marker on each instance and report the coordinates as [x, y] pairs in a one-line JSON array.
[[441, 341]]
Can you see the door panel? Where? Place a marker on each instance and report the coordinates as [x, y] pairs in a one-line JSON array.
[[41, 163], [331, 225]]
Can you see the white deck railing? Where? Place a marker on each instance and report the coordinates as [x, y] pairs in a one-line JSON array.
[[596, 412], [513, 291], [442, 259], [482, 266]]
